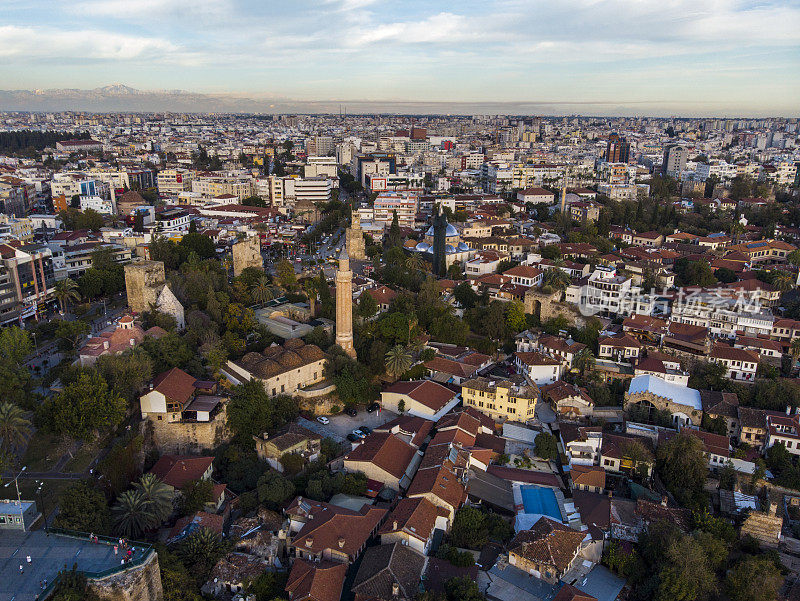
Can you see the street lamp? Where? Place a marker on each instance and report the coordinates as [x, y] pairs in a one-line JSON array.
[[41, 502], [19, 499]]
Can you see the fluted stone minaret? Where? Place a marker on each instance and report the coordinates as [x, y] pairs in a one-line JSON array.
[[344, 305], [354, 238]]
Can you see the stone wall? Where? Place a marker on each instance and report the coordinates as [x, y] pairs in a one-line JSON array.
[[548, 306], [247, 253], [186, 437], [143, 282], [142, 583], [662, 404]]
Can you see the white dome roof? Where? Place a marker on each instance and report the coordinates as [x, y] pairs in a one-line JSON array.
[[450, 231], [422, 247]]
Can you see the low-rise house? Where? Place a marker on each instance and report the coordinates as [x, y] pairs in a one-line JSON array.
[[560, 349], [410, 428], [413, 523], [581, 444], [626, 454], [662, 366], [316, 581], [173, 394], [752, 426], [178, 470], [619, 348], [330, 532], [389, 573], [383, 296], [537, 368], [785, 430], [567, 400], [547, 551], [422, 398], [771, 350], [646, 329], [385, 458], [525, 275], [292, 440], [440, 485], [724, 406], [449, 371], [740, 364], [588, 478]]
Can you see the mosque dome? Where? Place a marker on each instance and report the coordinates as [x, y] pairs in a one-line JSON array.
[[449, 249], [422, 247], [449, 231], [463, 246]]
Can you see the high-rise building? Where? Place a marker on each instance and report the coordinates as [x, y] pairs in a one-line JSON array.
[[675, 158], [617, 149], [344, 305]]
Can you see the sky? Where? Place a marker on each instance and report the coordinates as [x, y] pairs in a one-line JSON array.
[[651, 56]]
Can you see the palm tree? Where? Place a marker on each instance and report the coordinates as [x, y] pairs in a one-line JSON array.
[[413, 262], [583, 360], [15, 429], [133, 513], [262, 291], [158, 495], [398, 360], [783, 281], [310, 290], [555, 278], [203, 547], [794, 349], [66, 290]]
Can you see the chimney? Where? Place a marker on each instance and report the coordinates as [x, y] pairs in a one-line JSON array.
[[310, 541], [394, 525], [788, 409], [341, 542], [395, 589], [664, 501]]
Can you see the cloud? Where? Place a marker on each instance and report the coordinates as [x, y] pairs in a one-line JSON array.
[[41, 43]]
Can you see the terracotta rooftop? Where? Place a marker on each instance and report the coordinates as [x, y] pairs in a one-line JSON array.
[[177, 470], [318, 581]]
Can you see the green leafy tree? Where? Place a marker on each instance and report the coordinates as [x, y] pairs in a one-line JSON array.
[[515, 316], [273, 489], [83, 409], [545, 446], [395, 238], [201, 550], [251, 411], [754, 579], [71, 333], [84, 509], [682, 467], [688, 575], [194, 496], [367, 305], [465, 295], [292, 463], [469, 529], [284, 271]]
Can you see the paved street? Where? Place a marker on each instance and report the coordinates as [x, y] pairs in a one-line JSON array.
[[48, 555], [341, 425]]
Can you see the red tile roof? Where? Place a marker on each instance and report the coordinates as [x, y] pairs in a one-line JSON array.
[[318, 581], [177, 470]]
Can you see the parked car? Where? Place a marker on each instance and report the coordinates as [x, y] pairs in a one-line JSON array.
[[323, 420], [373, 407], [359, 433], [365, 429], [353, 438], [351, 411]]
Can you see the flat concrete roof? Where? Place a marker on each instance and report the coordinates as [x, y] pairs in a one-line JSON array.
[[49, 554]]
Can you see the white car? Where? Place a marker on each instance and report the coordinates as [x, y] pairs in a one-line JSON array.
[[323, 420]]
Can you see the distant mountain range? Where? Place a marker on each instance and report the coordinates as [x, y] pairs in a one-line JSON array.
[[121, 98]]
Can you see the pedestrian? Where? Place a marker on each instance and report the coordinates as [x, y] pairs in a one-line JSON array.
[[45, 583], [28, 559], [21, 569], [115, 550], [91, 536]]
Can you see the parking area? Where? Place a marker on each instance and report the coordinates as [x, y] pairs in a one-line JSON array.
[[341, 425]]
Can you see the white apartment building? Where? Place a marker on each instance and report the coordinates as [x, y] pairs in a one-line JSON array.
[[313, 189], [607, 293], [101, 205], [404, 203], [719, 169], [740, 364], [320, 166]]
